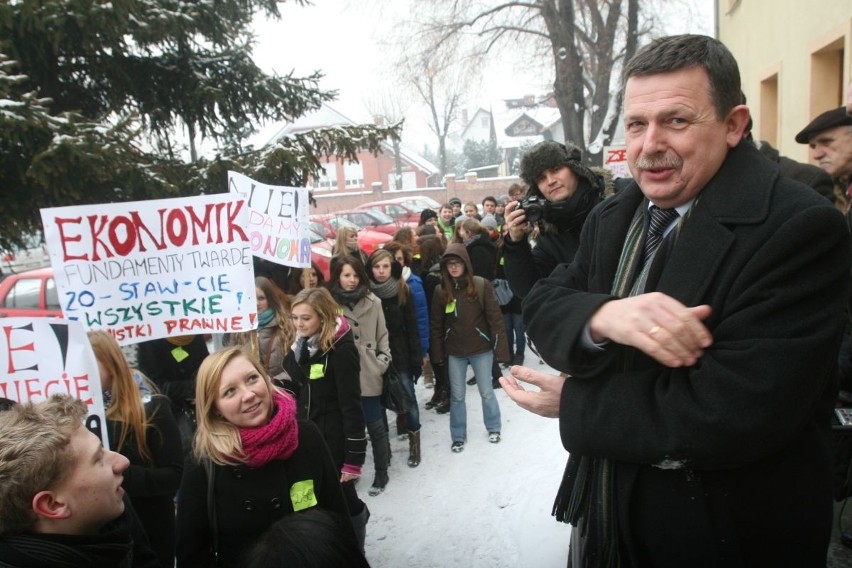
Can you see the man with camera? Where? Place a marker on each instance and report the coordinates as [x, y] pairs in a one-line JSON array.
[[562, 191]]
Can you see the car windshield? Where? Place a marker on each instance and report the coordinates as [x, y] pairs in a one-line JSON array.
[[421, 203], [338, 222], [315, 238], [320, 230], [381, 218]]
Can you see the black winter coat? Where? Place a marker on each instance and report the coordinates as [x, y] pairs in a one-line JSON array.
[[403, 335], [328, 392], [121, 543], [174, 375], [250, 500], [701, 454], [483, 257], [152, 487]]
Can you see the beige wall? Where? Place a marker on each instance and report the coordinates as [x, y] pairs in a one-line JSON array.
[[807, 45]]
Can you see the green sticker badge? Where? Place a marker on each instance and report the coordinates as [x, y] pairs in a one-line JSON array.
[[450, 308], [179, 353], [317, 371], [302, 495]]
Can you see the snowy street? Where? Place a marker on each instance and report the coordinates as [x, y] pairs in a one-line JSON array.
[[488, 506]]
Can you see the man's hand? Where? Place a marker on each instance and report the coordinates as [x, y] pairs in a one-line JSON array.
[[657, 325], [516, 222], [545, 402]]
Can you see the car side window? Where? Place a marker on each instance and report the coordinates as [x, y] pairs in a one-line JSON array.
[[51, 296], [24, 294]]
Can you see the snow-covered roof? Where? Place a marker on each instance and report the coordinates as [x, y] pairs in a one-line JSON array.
[[507, 112], [328, 117]]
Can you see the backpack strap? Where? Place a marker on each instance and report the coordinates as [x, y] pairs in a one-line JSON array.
[[479, 284], [213, 526]]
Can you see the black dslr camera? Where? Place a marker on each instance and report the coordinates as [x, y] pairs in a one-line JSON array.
[[533, 208]]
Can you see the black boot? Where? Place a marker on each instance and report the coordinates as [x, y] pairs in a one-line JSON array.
[[414, 448], [381, 455], [359, 523]]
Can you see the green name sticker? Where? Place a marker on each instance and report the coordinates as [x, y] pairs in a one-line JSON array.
[[317, 371], [179, 353], [302, 495], [450, 308]]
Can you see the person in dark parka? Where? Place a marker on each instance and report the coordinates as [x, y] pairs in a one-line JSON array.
[[701, 382]]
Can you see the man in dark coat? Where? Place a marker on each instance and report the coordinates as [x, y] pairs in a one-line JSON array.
[[698, 403]]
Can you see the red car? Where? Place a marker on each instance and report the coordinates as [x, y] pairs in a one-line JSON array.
[[28, 294], [321, 254], [397, 211], [368, 239]]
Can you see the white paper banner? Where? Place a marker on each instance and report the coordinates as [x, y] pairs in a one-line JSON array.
[[40, 357], [149, 269], [278, 220]]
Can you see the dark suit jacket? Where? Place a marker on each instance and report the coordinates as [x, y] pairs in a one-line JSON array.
[[726, 463]]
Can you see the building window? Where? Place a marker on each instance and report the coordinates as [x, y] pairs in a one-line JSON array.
[[328, 179], [353, 174], [485, 122]]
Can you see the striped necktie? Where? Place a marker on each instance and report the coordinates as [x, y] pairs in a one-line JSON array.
[[660, 219]]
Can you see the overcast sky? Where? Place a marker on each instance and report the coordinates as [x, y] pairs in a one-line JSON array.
[[343, 39]]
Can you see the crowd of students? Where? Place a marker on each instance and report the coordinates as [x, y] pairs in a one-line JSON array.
[[277, 421]]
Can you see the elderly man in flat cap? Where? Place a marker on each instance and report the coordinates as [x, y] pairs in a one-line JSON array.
[[830, 137]]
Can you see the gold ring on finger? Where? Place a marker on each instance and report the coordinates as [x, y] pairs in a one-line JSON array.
[[653, 331]]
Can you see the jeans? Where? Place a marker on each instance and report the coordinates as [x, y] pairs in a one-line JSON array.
[[457, 368], [515, 332], [373, 409], [412, 417]]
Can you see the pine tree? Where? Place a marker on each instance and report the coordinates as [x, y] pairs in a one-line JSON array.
[[92, 95]]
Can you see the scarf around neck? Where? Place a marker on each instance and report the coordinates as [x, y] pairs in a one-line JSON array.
[[276, 440], [387, 289], [350, 297], [265, 317]]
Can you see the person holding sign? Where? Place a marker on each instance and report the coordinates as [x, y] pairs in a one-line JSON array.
[[351, 289], [467, 328], [61, 500], [143, 429], [253, 463], [325, 369]]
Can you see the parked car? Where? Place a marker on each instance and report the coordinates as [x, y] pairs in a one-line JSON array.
[[30, 293], [375, 220], [399, 212], [369, 240], [321, 254], [413, 203], [28, 257]]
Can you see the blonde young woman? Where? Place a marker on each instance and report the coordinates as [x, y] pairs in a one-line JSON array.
[[346, 244], [143, 429], [263, 464], [325, 367]]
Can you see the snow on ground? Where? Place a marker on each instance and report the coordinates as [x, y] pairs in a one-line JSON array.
[[488, 506]]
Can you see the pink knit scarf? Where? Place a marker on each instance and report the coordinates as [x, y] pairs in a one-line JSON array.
[[276, 440]]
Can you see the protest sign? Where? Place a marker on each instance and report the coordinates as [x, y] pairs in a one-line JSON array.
[[40, 357], [278, 220], [615, 158], [149, 269]]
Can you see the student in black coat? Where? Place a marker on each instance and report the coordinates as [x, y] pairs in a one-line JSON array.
[[324, 368], [263, 464]]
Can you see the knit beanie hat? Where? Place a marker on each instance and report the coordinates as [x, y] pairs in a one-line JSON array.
[[548, 155], [427, 214]]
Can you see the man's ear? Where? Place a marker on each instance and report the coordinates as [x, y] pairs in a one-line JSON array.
[[48, 506], [736, 123]]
